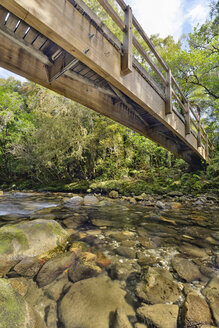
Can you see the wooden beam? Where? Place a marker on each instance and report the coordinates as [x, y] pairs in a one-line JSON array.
[[63, 63], [144, 54], [112, 13], [127, 43]]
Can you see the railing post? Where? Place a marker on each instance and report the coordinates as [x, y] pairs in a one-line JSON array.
[[199, 128], [127, 56], [168, 91], [206, 146], [187, 118]]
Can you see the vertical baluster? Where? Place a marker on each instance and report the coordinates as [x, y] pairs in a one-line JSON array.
[[187, 118], [199, 127], [127, 43], [206, 146], [168, 106]]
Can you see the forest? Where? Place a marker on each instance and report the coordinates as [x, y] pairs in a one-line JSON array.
[[48, 142]]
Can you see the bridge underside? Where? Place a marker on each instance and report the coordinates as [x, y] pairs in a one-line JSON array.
[[29, 53]]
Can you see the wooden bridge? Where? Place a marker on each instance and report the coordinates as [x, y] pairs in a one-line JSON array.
[[64, 46]]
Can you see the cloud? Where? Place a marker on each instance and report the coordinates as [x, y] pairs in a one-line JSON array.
[[197, 14], [159, 16]]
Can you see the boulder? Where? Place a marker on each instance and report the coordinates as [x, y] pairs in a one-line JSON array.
[[92, 302], [195, 311], [74, 201], [175, 193], [186, 269], [211, 292], [114, 194], [54, 267], [82, 269], [1, 193], [28, 239], [158, 287], [121, 320], [159, 315], [28, 267], [90, 200], [15, 311]]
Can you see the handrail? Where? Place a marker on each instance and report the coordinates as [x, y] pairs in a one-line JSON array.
[[129, 40]]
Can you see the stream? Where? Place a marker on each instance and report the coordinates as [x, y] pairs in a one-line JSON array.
[[158, 254]]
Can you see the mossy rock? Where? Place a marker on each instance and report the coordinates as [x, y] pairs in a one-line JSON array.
[[14, 311], [28, 239]]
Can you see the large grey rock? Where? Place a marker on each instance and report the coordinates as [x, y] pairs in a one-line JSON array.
[[28, 239], [195, 311], [193, 251], [54, 267], [74, 201], [28, 267], [159, 315], [126, 252], [15, 311], [158, 287], [91, 303], [121, 319], [186, 269], [90, 200], [211, 292]]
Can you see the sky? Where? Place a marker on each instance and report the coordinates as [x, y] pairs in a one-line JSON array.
[[163, 17]]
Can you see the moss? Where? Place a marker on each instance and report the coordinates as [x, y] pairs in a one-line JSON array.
[[7, 235], [12, 310]]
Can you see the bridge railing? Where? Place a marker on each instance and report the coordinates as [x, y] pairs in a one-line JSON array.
[[132, 44]]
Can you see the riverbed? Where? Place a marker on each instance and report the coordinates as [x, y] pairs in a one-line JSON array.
[[158, 255]]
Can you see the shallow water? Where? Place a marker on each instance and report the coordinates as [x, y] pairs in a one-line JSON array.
[[149, 236]]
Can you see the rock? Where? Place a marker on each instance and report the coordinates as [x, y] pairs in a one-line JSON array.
[[90, 303], [54, 267], [175, 193], [132, 200], [55, 288], [215, 235], [14, 310], [140, 325], [195, 311], [102, 260], [217, 261], [90, 200], [1, 193], [159, 315], [211, 292], [193, 251], [126, 252], [160, 205], [114, 194], [74, 201], [102, 223], [176, 206], [20, 285], [122, 270], [28, 239], [144, 260], [186, 269], [28, 267], [37, 299], [82, 269], [121, 320], [158, 287]]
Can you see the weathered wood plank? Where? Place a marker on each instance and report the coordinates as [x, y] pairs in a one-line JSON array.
[[127, 43], [3, 14], [21, 29], [112, 13], [39, 41], [187, 119], [122, 4], [178, 100], [179, 89], [12, 22], [168, 91], [31, 35]]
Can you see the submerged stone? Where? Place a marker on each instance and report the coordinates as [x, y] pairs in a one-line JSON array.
[[92, 302], [186, 269], [159, 315], [91, 200]]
